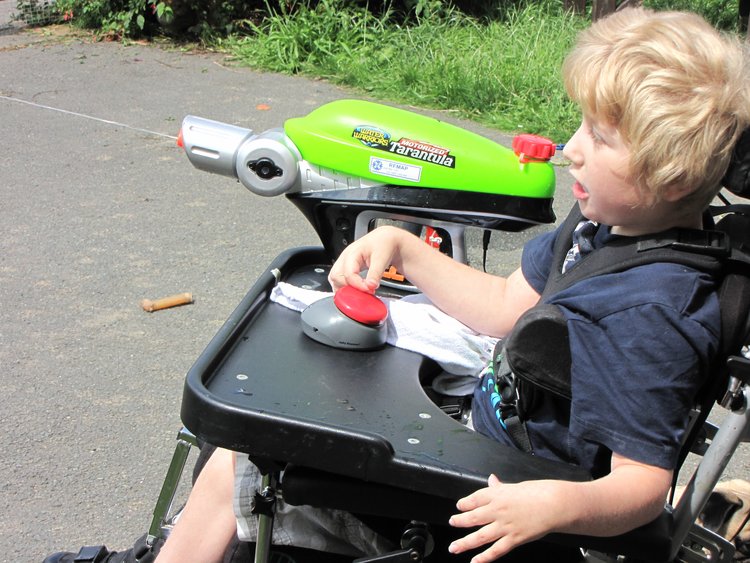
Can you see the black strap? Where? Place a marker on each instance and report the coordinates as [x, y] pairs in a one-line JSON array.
[[565, 239], [546, 367], [737, 177], [516, 429], [734, 303], [523, 369], [704, 250]]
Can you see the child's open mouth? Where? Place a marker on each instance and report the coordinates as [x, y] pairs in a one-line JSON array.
[[579, 192]]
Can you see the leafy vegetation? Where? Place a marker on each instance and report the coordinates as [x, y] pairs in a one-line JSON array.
[[204, 19], [497, 62], [501, 72]]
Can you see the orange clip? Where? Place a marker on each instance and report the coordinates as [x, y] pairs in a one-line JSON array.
[[392, 274]]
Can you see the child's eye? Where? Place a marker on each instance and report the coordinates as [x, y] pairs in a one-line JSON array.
[[595, 136]]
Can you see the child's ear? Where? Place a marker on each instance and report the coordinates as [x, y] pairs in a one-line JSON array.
[[675, 192]]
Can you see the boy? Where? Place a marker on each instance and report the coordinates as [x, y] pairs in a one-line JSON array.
[[664, 99]]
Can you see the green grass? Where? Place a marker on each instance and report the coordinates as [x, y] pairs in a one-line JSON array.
[[504, 72]]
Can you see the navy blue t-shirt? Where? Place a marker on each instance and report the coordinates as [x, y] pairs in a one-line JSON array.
[[641, 343]]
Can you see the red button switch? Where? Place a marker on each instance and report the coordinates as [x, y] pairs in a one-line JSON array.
[[359, 306]]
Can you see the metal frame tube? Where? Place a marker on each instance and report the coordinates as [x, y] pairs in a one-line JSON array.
[[185, 440], [708, 473]]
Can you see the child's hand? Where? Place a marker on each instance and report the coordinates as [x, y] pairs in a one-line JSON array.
[[374, 252], [510, 515]]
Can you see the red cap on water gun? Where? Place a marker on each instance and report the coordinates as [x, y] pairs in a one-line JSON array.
[[359, 306], [533, 148]]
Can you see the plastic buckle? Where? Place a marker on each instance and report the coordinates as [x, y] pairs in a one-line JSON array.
[[708, 243], [711, 243], [506, 386]]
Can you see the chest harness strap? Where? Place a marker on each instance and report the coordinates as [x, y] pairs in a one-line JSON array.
[[535, 358]]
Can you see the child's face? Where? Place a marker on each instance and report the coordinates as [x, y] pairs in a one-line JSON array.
[[599, 163]]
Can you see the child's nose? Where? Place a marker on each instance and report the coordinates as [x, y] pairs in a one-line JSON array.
[[571, 150]]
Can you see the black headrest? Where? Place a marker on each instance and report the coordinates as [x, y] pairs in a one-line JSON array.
[[737, 178]]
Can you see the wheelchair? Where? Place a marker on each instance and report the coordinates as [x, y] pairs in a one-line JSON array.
[[399, 452]]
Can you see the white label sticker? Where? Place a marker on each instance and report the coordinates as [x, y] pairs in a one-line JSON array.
[[395, 169]]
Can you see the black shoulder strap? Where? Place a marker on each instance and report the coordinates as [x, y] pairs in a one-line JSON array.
[[734, 303], [734, 291], [702, 250], [724, 252]]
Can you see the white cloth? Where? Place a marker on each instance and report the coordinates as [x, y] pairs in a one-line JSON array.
[[414, 324]]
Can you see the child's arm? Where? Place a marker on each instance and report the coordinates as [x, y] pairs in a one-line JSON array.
[[486, 303], [633, 494]]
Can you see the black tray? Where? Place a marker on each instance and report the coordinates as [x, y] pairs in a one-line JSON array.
[[264, 388]]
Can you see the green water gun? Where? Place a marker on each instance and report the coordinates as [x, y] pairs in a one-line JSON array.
[[351, 164]]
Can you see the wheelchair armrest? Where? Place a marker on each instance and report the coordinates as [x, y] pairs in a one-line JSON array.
[[302, 485], [305, 486]]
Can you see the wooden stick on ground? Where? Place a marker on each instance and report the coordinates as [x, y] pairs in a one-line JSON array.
[[167, 302]]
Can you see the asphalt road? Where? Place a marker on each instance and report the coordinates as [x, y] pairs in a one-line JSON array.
[[99, 210]]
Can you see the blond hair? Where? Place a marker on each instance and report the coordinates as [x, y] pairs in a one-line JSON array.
[[673, 86]]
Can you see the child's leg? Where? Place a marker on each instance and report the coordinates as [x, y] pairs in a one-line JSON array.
[[207, 523]]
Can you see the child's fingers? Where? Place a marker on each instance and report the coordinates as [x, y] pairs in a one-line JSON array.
[[473, 540], [471, 502], [496, 551], [372, 281], [346, 271], [356, 281], [478, 515], [460, 520], [339, 280], [378, 262], [478, 498], [490, 534]]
